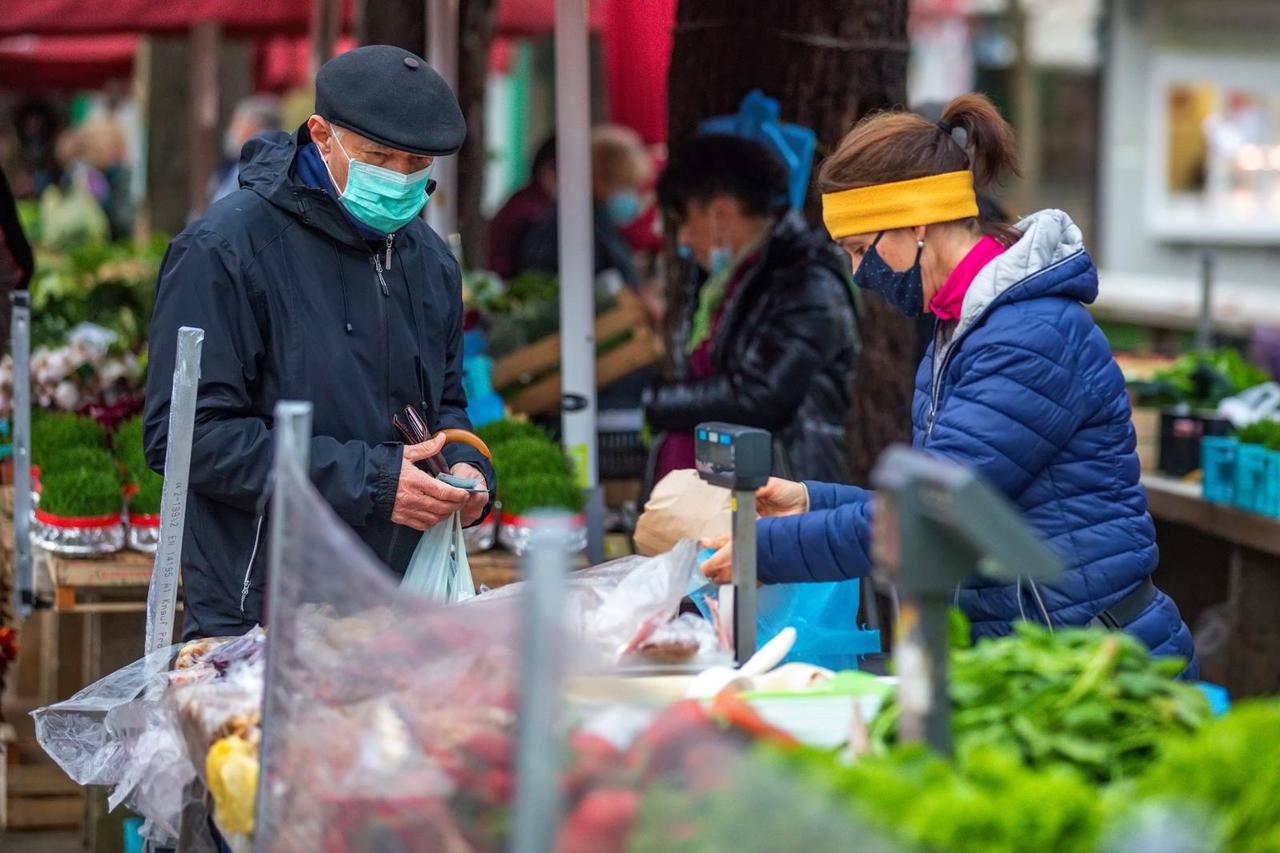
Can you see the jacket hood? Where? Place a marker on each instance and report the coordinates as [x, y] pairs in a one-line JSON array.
[[1048, 260], [266, 168]]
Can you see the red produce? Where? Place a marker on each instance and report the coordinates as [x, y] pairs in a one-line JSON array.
[[601, 823]]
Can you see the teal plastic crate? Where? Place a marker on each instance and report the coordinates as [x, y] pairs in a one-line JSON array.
[[1258, 480], [1218, 458]]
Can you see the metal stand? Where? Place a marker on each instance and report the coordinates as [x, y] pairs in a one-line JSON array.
[[744, 575], [936, 526], [162, 596], [24, 593], [538, 804]]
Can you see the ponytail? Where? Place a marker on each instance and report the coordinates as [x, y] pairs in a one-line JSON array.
[[987, 137]]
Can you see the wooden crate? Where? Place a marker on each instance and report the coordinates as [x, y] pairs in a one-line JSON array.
[[542, 358], [40, 796]]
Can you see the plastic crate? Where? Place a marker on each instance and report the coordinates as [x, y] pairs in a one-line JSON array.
[[1218, 458], [1258, 480]]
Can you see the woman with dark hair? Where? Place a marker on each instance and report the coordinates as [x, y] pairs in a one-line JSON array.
[[768, 335], [1019, 383]]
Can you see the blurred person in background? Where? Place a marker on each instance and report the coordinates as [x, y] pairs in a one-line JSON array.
[[35, 163], [16, 261], [769, 334], [527, 205], [620, 169], [254, 115], [95, 158]]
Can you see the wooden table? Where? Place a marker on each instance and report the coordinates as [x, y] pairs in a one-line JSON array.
[[1252, 543]]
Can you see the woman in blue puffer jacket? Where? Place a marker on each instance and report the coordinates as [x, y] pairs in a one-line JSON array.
[[1019, 383]]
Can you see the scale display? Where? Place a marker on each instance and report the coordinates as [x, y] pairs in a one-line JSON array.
[[735, 457]]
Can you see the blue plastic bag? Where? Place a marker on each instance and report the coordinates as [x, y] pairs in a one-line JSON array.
[[825, 616], [758, 119]]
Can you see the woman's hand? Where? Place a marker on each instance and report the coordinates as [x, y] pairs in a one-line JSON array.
[[781, 497], [719, 566]]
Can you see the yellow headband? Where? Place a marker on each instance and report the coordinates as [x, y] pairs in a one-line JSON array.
[[901, 204]]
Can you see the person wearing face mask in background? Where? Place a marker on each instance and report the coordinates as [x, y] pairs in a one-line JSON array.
[[1019, 383], [769, 334], [318, 280], [619, 171], [254, 115]]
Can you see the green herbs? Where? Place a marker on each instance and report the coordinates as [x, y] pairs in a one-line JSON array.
[[80, 493], [55, 432], [127, 443], [533, 471], [539, 491], [1200, 379], [1265, 433], [994, 803], [78, 458], [1228, 772], [1091, 700], [146, 500]]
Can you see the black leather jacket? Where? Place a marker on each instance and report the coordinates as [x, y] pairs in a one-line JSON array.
[[784, 354]]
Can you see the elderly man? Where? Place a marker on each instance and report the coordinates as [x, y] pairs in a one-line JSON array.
[[318, 281]]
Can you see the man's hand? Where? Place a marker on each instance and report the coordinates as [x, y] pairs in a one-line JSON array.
[[476, 501], [781, 497], [422, 501]]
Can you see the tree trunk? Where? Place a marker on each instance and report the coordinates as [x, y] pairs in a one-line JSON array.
[[475, 27], [828, 62], [403, 23]]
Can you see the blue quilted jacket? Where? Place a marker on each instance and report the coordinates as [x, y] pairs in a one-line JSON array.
[[1026, 392]]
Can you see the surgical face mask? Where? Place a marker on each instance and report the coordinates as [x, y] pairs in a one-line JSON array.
[[684, 251], [383, 199], [623, 207], [903, 290]]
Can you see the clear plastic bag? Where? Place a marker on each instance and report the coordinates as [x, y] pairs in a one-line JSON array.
[[611, 605]]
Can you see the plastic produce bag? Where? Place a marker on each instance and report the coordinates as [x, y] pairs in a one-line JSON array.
[[612, 606], [439, 568]]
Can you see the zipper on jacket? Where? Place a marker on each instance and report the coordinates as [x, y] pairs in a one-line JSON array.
[[248, 571], [377, 266], [390, 239]]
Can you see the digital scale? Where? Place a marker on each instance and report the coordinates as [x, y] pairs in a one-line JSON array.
[[740, 459]]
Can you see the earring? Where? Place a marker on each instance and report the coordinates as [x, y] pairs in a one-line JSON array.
[[919, 244]]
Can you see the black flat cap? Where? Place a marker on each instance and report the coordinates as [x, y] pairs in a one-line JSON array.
[[393, 97]]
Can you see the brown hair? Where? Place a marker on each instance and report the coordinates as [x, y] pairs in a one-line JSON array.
[[899, 146], [618, 157]]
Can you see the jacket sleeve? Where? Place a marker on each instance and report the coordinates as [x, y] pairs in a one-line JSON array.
[[831, 495], [453, 399], [1015, 405], [821, 545], [767, 384], [203, 285]]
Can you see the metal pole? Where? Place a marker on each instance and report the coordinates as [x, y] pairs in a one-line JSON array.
[[292, 436], [538, 806], [442, 53], [577, 262], [744, 575], [24, 593], [1204, 326], [162, 595]]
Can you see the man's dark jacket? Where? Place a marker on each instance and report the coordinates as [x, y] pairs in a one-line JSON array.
[[784, 354], [294, 308]]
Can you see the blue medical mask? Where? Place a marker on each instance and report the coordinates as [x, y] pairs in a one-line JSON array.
[[720, 259], [684, 252], [903, 290], [383, 199], [623, 207]]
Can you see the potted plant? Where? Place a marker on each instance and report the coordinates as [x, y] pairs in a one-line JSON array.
[[79, 512], [533, 500]]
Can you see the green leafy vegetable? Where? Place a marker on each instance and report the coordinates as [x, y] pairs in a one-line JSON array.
[[146, 500], [524, 457], [500, 432], [79, 458], [1091, 700], [1200, 379], [1266, 433]]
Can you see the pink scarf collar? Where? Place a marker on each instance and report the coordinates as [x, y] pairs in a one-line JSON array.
[[949, 300]]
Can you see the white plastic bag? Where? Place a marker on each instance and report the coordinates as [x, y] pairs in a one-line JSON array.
[[439, 568]]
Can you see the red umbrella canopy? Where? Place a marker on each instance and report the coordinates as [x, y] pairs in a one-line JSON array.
[[85, 17], [65, 62]]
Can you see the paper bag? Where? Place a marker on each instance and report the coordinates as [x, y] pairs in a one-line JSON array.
[[682, 506]]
